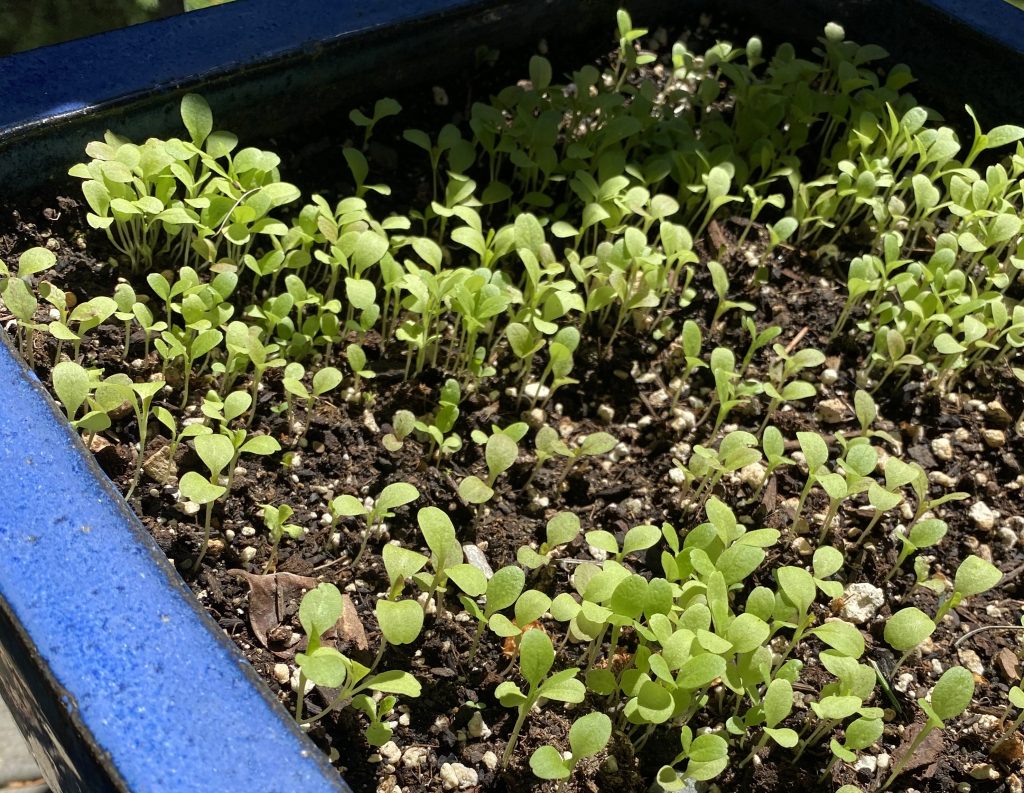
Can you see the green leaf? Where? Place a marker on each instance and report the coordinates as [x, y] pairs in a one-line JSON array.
[[261, 444], [953, 693], [320, 609], [72, 385], [504, 588], [396, 682], [797, 586], [907, 628], [814, 448], [325, 666], [597, 443], [215, 451], [841, 636], [640, 538], [468, 578], [836, 706], [197, 116], [348, 506], [195, 487], [400, 621], [1002, 135], [500, 453], [827, 561], [530, 606], [396, 495], [35, 260], [747, 632], [326, 379], [563, 528], [536, 655], [603, 541], [547, 763], [654, 703], [975, 576], [589, 734], [701, 670], [778, 701], [19, 299], [474, 490]]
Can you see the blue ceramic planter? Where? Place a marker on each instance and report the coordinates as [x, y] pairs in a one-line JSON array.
[[115, 673]]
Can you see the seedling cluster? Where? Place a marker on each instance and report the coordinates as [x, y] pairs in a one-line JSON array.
[[564, 222]]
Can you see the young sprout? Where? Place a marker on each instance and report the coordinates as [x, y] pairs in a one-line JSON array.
[[390, 498], [562, 529], [951, 696], [973, 576], [906, 629], [402, 425], [500, 452], [275, 519], [536, 657], [588, 735], [216, 451], [319, 611], [357, 362]]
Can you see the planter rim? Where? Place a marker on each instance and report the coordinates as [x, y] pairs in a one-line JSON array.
[[60, 82]]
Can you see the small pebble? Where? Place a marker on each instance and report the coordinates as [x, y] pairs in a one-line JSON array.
[[605, 414], [942, 449], [861, 602], [281, 673], [414, 756], [994, 439], [477, 727], [969, 658], [456, 776], [248, 554], [828, 376], [310, 685], [490, 760], [982, 516], [391, 753]]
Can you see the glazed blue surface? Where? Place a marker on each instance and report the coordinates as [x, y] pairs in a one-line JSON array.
[[995, 19], [90, 72], [110, 664]]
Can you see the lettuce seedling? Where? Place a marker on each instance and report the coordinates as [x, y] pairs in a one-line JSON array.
[[588, 735], [17, 295], [378, 732], [445, 552], [561, 529], [438, 427], [390, 498], [402, 425], [951, 696], [707, 756], [923, 534], [973, 576], [319, 611], [216, 452], [325, 379], [905, 630], [275, 520], [499, 592], [593, 445], [357, 362], [536, 657], [500, 453]]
